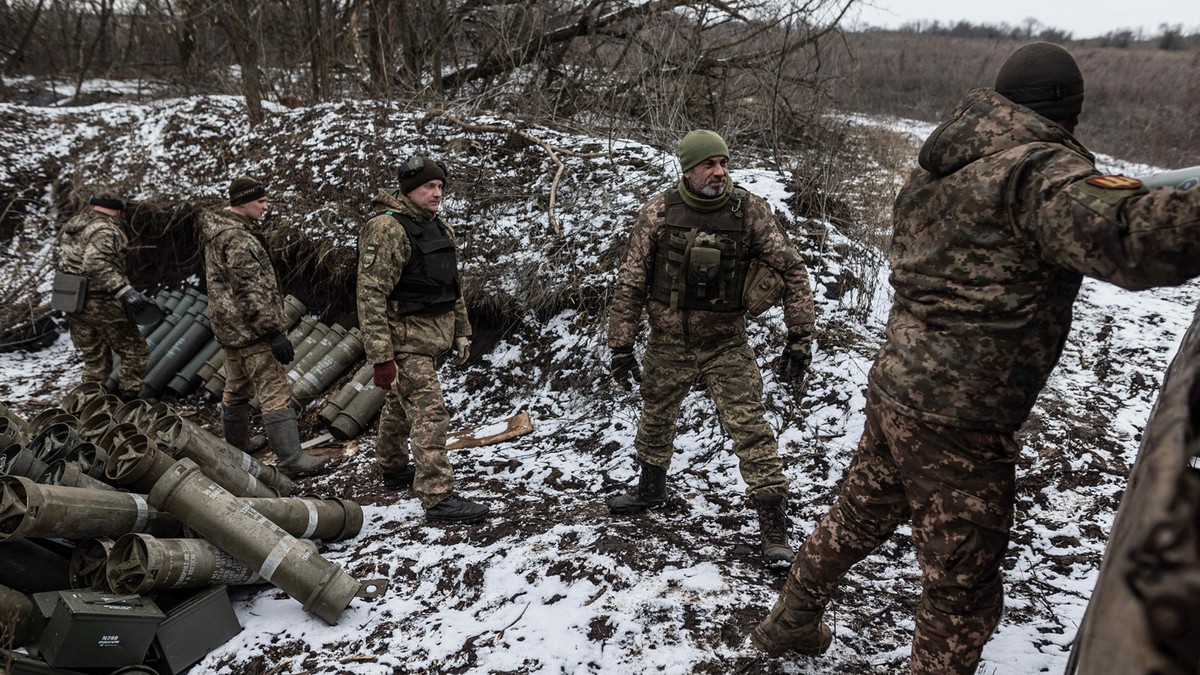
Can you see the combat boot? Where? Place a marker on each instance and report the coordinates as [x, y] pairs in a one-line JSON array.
[[454, 509], [284, 437], [399, 479], [773, 529], [797, 630], [650, 492]]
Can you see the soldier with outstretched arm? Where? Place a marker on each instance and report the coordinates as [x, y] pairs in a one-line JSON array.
[[994, 233]]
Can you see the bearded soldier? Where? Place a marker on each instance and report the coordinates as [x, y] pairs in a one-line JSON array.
[[248, 320], [687, 263], [994, 233], [92, 249], [411, 312]]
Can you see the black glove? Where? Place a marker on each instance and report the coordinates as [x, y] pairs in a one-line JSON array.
[[624, 367], [281, 347], [135, 302], [797, 355]]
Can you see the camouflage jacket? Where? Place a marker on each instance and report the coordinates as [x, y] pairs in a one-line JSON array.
[[384, 249], [244, 301], [93, 245], [767, 242], [994, 233]]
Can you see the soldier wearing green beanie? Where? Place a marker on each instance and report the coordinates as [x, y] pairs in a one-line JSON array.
[[687, 266]]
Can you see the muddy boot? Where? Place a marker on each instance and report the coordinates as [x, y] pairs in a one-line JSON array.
[[284, 437], [399, 479], [236, 421], [454, 509], [773, 528], [797, 630], [651, 492]]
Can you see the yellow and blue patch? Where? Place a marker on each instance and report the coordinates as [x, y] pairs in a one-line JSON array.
[[368, 255]]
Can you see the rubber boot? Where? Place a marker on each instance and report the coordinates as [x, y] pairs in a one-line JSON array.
[[795, 629], [236, 421], [773, 528], [284, 436], [650, 492]]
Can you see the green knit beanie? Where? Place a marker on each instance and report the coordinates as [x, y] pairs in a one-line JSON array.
[[1043, 77], [698, 146]]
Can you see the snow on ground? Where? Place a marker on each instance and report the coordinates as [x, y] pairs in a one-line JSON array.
[[552, 583]]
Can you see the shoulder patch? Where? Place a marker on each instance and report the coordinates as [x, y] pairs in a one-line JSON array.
[[368, 255], [1115, 182]]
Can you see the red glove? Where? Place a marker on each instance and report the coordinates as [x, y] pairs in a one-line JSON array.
[[385, 374]]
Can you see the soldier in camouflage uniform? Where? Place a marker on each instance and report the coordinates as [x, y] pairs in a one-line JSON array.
[[994, 233], [248, 320], [411, 312], [93, 245], [687, 262]]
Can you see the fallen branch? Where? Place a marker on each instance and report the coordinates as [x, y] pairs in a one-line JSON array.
[[552, 150]]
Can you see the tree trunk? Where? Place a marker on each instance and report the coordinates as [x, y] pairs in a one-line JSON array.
[[241, 25], [85, 59], [17, 57]]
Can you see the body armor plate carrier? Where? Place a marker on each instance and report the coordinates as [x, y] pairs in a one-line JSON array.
[[429, 282], [702, 259]]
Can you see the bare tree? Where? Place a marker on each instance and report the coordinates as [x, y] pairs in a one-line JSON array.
[[240, 20]]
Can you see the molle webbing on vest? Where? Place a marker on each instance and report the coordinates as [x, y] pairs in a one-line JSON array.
[[429, 282], [701, 260]]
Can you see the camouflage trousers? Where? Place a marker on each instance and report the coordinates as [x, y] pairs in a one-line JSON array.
[[101, 329], [253, 371], [415, 417], [731, 374], [957, 487]]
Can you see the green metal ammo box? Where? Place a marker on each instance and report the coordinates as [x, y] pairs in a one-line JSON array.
[[92, 629], [195, 626], [25, 665], [43, 608]]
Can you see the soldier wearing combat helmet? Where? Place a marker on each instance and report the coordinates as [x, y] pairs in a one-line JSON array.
[[687, 264], [248, 320], [994, 232], [92, 246], [411, 312]]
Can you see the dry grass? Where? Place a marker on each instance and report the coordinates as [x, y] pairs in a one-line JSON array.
[[1141, 102]]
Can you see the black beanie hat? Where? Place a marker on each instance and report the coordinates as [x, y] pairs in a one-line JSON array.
[[107, 199], [245, 189], [1043, 77], [419, 170]]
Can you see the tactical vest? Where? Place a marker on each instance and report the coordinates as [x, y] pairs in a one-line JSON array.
[[702, 259], [429, 282]]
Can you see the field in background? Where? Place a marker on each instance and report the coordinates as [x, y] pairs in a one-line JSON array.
[[1142, 103]]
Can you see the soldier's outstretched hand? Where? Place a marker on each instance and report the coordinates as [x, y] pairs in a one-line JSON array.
[[624, 367]]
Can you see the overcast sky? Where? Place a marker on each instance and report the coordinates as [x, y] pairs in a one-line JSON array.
[[1082, 19]]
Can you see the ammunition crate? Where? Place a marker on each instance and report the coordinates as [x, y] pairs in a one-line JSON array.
[[43, 609], [198, 624], [92, 629], [25, 665]]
